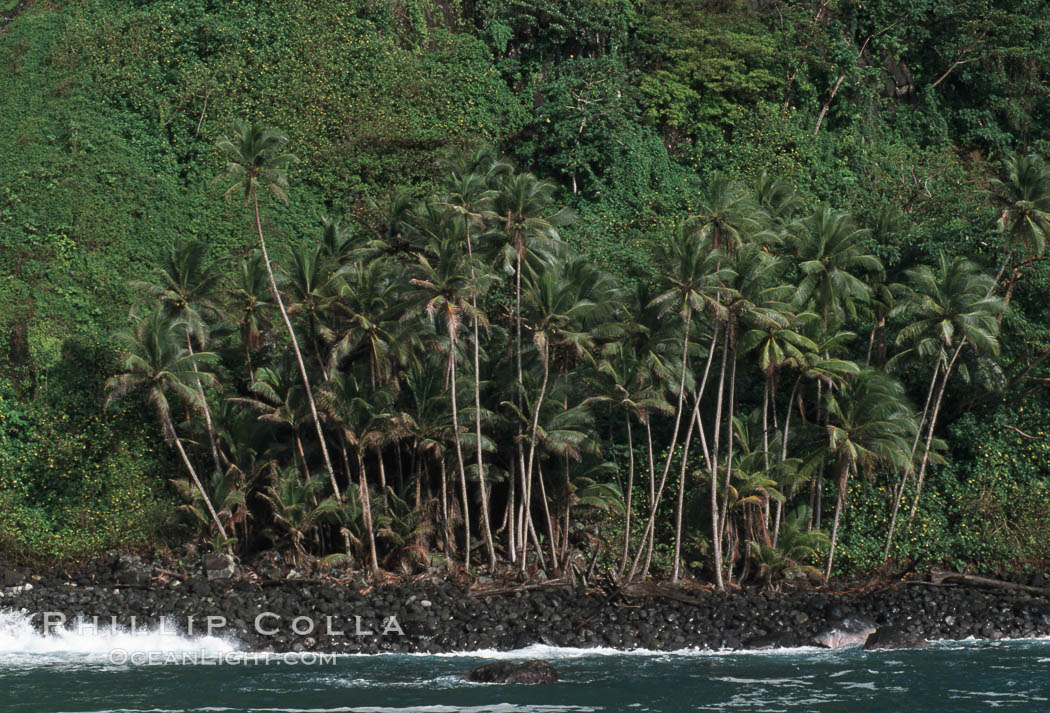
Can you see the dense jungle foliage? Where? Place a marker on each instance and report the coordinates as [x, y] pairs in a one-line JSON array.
[[735, 289]]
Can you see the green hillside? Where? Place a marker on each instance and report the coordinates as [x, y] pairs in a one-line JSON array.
[[903, 114]]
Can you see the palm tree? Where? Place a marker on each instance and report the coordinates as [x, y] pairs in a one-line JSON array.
[[871, 424], [441, 293], [752, 295], [523, 206], [226, 493], [249, 299], [186, 292], [817, 365], [726, 215], [565, 304], [949, 308], [312, 287], [297, 509], [365, 321], [426, 418], [362, 417], [156, 363], [630, 386], [832, 259], [692, 276], [277, 394], [470, 199], [1025, 219], [777, 198], [256, 161], [337, 241]]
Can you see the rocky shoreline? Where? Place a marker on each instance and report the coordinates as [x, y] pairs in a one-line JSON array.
[[434, 616]]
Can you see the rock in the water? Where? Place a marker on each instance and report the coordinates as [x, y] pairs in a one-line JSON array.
[[893, 637], [534, 671], [847, 631]]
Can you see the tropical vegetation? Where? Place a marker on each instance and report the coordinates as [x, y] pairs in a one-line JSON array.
[[736, 291]]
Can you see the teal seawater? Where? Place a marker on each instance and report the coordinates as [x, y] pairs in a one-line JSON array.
[[952, 677]]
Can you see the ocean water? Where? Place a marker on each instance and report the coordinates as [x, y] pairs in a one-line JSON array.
[[158, 672]]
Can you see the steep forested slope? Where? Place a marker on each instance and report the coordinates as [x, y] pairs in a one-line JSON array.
[[901, 113]]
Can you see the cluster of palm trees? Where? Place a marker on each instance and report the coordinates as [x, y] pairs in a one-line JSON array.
[[454, 385]]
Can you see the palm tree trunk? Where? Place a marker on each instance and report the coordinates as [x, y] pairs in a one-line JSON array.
[[929, 435], [552, 541], [459, 449], [525, 508], [447, 529], [767, 396], [648, 541], [783, 456], [486, 525], [532, 436], [730, 440], [840, 503], [693, 419], [193, 474], [716, 516], [681, 499], [568, 509], [382, 474], [298, 352], [650, 529], [512, 528], [366, 513], [898, 493], [630, 491], [204, 405]]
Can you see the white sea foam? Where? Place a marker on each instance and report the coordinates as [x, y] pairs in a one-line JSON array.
[[492, 708], [544, 651], [20, 642]]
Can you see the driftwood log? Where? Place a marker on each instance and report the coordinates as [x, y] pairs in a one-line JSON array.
[[940, 576], [653, 590], [549, 584]]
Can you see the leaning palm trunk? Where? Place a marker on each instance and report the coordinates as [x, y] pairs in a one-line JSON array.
[[205, 407], [486, 526], [650, 530], [295, 348], [783, 456], [729, 444], [694, 419], [552, 535], [899, 490], [459, 451], [445, 514], [840, 503], [652, 481], [366, 513], [512, 534], [630, 491], [193, 474], [929, 435], [534, 429], [716, 517]]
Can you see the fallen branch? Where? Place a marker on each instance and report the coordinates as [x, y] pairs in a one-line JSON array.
[[520, 588], [939, 576], [658, 591]]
